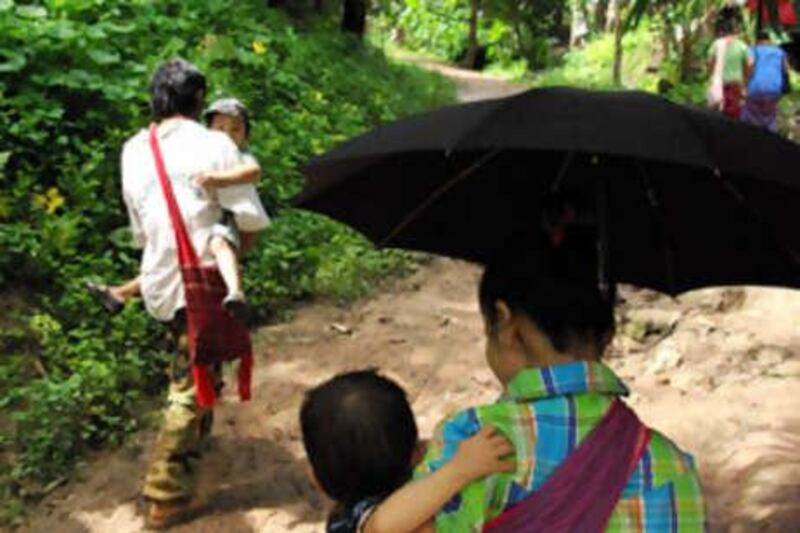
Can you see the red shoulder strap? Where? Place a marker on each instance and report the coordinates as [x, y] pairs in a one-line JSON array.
[[186, 252]]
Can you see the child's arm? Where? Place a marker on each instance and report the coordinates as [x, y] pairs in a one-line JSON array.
[[246, 173], [411, 507]]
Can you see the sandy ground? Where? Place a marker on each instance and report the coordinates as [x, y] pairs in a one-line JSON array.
[[718, 371]]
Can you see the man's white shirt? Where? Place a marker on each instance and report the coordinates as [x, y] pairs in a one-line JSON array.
[[189, 149]]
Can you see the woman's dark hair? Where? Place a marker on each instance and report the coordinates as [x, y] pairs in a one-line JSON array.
[[360, 435], [557, 290], [177, 88]]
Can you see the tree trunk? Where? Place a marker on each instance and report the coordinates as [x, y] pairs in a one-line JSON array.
[[612, 14], [318, 5], [559, 23], [470, 58], [579, 27], [685, 66], [759, 17], [354, 17], [619, 33], [600, 14]]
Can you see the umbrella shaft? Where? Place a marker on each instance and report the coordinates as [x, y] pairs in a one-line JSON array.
[[601, 200]]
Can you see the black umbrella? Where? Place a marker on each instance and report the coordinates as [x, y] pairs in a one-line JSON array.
[[676, 197]]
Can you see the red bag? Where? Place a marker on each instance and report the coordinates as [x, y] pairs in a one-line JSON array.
[[752, 5], [215, 336], [786, 13]]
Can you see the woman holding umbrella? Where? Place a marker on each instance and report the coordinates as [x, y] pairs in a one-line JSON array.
[[585, 461], [646, 192]]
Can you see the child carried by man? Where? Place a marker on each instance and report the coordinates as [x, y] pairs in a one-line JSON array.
[[230, 116]]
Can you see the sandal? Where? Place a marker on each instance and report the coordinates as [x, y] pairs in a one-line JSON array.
[[235, 304], [164, 515], [102, 293]]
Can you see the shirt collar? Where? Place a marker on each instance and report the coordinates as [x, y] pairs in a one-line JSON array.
[[559, 380]]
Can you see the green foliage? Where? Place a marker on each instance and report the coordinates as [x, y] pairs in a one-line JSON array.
[[73, 78], [591, 67], [513, 32]]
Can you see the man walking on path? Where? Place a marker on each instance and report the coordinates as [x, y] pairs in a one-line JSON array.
[[177, 93]]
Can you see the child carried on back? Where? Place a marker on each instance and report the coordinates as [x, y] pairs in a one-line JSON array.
[[361, 439]]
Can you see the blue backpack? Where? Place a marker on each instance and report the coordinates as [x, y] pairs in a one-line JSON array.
[[767, 77]]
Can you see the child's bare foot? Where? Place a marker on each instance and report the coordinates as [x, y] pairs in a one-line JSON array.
[[110, 300]]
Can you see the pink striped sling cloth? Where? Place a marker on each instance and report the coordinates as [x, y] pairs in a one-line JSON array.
[[583, 491]]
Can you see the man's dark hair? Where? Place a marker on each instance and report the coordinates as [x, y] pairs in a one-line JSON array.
[[557, 290], [177, 88], [360, 435]]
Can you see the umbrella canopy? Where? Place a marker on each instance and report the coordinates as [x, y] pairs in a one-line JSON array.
[[676, 197]]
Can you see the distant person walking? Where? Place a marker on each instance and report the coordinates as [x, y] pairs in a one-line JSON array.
[[768, 82], [729, 64]]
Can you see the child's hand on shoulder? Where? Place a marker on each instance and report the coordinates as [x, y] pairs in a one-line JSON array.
[[205, 180], [486, 452]]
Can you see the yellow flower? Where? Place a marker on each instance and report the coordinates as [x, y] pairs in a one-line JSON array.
[[50, 201], [259, 48], [208, 41]]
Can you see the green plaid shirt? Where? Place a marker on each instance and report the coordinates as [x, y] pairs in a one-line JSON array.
[[546, 413]]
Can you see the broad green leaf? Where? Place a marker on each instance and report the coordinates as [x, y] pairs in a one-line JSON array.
[[14, 61], [122, 238], [103, 57], [32, 12]]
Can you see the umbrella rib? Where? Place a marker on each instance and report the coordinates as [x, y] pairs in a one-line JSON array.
[[556, 185], [601, 201], [449, 184], [656, 206]]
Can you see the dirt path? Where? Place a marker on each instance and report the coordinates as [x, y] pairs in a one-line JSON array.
[[717, 371]]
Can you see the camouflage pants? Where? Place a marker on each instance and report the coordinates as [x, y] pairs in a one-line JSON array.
[[174, 465]]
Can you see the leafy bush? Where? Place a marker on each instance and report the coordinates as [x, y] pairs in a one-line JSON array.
[[73, 77], [513, 32], [591, 67]]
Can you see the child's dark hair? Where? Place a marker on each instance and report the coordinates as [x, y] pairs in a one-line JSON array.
[[729, 20], [360, 435], [229, 106], [562, 297], [176, 89]]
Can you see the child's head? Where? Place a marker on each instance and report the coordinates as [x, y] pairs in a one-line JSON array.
[[230, 116], [360, 436], [728, 21]]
